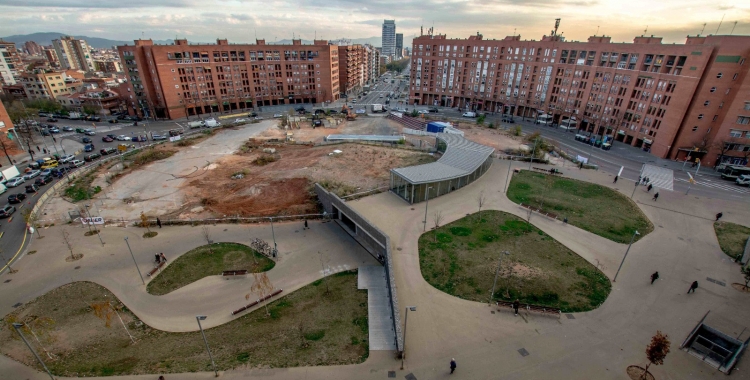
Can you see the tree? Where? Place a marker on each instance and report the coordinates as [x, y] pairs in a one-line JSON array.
[[481, 200], [7, 264], [437, 218], [656, 351], [104, 311], [5, 145], [207, 235], [723, 146], [66, 239], [91, 109], [261, 287], [145, 222], [41, 328], [31, 218]]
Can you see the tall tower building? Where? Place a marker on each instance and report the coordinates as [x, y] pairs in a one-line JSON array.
[[73, 53], [399, 45], [389, 38]]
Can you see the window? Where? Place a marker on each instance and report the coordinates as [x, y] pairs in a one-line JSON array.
[[695, 128], [734, 77], [719, 75], [735, 133], [743, 120], [716, 117], [747, 106], [713, 89], [706, 103], [700, 116]]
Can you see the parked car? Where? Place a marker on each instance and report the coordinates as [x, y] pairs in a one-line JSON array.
[[107, 139], [51, 120], [89, 132], [508, 119], [252, 114], [360, 111], [175, 132], [16, 181], [54, 130], [7, 211], [423, 112], [158, 137], [469, 114], [33, 188], [123, 138], [67, 129], [93, 118], [433, 109], [277, 115], [46, 172], [139, 138], [88, 147], [80, 130], [32, 174], [91, 157], [112, 136], [45, 132], [86, 140], [41, 181], [16, 198], [106, 151], [258, 118], [76, 163]]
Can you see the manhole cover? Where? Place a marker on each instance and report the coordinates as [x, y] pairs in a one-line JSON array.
[[7, 281], [680, 238], [412, 208], [410, 377], [398, 249], [225, 230], [17, 305], [660, 226], [523, 352], [717, 282], [391, 374], [570, 316], [78, 267]]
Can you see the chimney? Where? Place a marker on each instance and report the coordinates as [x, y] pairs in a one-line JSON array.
[[181, 41], [260, 42], [297, 42], [222, 41]]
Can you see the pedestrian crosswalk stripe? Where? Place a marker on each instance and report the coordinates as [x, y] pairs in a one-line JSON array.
[[716, 185]]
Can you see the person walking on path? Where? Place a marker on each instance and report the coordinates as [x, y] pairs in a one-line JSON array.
[[453, 365], [693, 286], [516, 304], [656, 196], [162, 257], [718, 216], [640, 179], [306, 227], [650, 186], [615, 181], [157, 258], [580, 165], [158, 222], [37, 149], [654, 277]]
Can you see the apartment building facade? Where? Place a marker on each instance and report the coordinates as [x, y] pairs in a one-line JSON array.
[[7, 73], [73, 53], [676, 101], [399, 46], [352, 68], [108, 65], [44, 84], [388, 38], [179, 80]]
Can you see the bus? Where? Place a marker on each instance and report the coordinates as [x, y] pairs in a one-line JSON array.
[[734, 171]]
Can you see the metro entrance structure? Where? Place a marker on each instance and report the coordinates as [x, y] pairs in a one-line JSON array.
[[462, 163]]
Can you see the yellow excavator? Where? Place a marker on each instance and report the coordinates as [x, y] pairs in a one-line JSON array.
[[350, 115]]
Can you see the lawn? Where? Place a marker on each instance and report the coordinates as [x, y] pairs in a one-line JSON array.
[[305, 328], [732, 238], [594, 208], [461, 259], [200, 262]]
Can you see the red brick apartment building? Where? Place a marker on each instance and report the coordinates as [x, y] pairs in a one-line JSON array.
[[174, 81], [352, 69], [673, 100]]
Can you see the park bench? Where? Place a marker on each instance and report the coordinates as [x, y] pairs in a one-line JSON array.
[[275, 293], [553, 171], [531, 308], [233, 273], [156, 268]]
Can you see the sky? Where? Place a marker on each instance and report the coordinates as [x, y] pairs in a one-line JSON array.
[[241, 20]]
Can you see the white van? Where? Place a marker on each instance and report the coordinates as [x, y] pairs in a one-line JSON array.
[[743, 180], [568, 124], [544, 119], [469, 114], [3, 188], [212, 123]]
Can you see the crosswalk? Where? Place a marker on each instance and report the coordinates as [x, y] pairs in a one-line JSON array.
[[722, 185], [662, 178]]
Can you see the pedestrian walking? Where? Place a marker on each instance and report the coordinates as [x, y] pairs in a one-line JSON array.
[[306, 224], [516, 304], [656, 196], [648, 180], [615, 181], [693, 286], [718, 216], [654, 277], [162, 257], [157, 258], [453, 365], [650, 186], [161, 377], [45, 150], [37, 149], [158, 222], [565, 220], [580, 165]]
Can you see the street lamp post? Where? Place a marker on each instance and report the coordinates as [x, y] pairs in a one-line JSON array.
[[533, 152], [406, 319], [134, 262], [499, 259], [273, 234], [91, 221], [626, 255], [427, 201], [18, 326], [200, 318], [510, 163]]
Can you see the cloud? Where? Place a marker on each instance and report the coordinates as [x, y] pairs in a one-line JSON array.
[[97, 3]]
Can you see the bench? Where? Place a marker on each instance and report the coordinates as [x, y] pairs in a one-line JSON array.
[[156, 268], [234, 273], [552, 171], [531, 308]]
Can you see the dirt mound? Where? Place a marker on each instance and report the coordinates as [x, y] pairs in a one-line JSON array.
[[266, 198]]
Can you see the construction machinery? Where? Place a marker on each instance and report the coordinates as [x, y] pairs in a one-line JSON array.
[[350, 115]]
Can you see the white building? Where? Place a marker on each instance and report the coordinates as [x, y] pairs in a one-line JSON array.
[[6, 74], [73, 53]]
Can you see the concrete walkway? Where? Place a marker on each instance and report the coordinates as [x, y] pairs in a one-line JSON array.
[[379, 320]]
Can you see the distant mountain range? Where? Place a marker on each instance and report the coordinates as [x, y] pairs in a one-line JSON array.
[[45, 38]]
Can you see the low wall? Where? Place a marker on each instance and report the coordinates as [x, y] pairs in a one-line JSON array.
[[372, 238]]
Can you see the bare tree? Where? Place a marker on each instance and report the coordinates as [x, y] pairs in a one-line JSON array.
[[104, 310], [66, 239], [481, 200], [323, 265], [5, 146], [437, 218], [207, 235], [7, 263], [656, 351], [31, 218], [261, 287], [723, 146], [145, 222]]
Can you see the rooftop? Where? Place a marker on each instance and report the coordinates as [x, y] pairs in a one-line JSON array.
[[461, 157]]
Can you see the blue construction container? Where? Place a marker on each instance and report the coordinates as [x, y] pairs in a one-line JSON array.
[[436, 127]]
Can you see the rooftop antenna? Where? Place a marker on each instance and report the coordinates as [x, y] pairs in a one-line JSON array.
[[256, 33], [514, 32], [645, 31], [735, 25], [597, 30], [557, 25], [722, 20], [704, 28]]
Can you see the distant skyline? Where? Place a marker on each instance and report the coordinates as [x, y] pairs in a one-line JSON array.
[[241, 20]]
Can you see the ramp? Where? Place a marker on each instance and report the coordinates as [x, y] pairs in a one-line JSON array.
[[381, 334], [660, 177]]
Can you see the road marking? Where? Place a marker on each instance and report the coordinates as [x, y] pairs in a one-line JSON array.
[[10, 219], [717, 186], [25, 232], [1, 234]]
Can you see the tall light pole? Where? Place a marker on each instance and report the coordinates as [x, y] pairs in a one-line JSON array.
[[533, 152], [406, 319], [626, 255], [427, 201], [134, 262], [499, 259], [91, 221], [18, 326], [507, 178], [200, 318], [273, 234]]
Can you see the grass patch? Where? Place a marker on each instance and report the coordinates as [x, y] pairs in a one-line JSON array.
[[198, 263], [312, 329], [732, 238], [81, 188], [151, 155], [264, 159], [594, 208], [539, 270], [150, 234]]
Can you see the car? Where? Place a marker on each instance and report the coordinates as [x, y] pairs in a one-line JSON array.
[[54, 130], [52, 120], [139, 138], [469, 114], [333, 111], [240, 120], [433, 109], [402, 110], [41, 181], [258, 118], [380, 96], [120, 117], [106, 151], [67, 158], [76, 163], [93, 118], [107, 139], [86, 140], [423, 112], [175, 132], [47, 172], [360, 111], [508, 119], [89, 132], [67, 129], [32, 174], [15, 181], [123, 138], [319, 111], [112, 136], [354, 101], [91, 157], [33, 188], [252, 114], [45, 132], [80, 130], [7, 211], [158, 137], [16, 198], [43, 114], [276, 115]]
